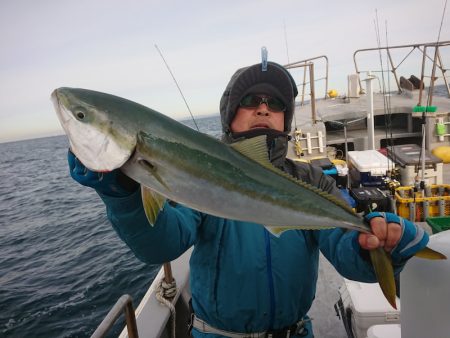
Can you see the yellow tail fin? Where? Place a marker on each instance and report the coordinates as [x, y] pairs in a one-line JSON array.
[[384, 271], [428, 253]]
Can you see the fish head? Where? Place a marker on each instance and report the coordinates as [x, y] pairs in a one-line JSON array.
[[99, 133]]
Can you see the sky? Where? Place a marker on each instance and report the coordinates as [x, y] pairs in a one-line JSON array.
[[109, 46]]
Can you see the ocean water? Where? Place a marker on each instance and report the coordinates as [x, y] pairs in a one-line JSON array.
[[62, 266]]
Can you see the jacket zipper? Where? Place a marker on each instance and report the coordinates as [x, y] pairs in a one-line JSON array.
[[270, 278]]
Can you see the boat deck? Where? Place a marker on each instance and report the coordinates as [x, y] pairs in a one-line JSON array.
[[354, 108], [398, 124]]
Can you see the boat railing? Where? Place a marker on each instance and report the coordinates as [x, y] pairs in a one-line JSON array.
[[393, 67], [305, 64], [123, 305]]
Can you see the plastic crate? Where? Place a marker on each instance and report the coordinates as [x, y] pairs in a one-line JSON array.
[[410, 204], [439, 224]]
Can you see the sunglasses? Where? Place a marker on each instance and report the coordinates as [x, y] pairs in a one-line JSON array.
[[253, 101]]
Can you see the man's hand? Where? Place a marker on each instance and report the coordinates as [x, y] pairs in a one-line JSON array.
[[396, 235], [385, 234], [113, 183]]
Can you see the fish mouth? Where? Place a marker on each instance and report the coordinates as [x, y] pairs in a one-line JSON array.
[[55, 100], [54, 97], [62, 114]]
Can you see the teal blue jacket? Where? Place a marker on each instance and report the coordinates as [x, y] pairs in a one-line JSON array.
[[243, 278]]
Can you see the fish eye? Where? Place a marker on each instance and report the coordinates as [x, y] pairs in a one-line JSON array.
[[80, 113]]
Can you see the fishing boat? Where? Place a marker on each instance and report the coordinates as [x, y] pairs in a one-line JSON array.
[[331, 131]]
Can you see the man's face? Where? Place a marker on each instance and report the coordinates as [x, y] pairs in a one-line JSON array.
[[259, 116]]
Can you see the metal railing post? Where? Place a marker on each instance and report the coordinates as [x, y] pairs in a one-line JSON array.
[[394, 68], [394, 71], [422, 76], [168, 277], [313, 93], [357, 72], [304, 85], [304, 64], [443, 70], [125, 305]]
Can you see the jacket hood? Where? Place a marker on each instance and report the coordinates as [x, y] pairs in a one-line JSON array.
[[275, 81]]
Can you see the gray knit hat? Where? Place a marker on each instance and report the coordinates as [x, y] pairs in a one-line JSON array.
[[276, 81]]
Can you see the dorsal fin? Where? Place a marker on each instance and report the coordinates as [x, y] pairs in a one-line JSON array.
[[255, 148]]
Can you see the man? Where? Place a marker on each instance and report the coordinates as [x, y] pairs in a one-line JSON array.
[[243, 279]]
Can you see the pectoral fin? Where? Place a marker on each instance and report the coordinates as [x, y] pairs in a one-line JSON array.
[[384, 271], [153, 171], [152, 202]]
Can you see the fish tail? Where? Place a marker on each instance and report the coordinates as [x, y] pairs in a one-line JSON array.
[[428, 253], [384, 271]]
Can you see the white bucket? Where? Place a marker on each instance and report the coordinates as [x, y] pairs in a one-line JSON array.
[[425, 293]]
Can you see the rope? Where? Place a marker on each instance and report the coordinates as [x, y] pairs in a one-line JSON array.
[[165, 292]]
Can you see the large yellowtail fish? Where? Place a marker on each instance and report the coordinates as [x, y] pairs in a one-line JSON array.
[[235, 181]]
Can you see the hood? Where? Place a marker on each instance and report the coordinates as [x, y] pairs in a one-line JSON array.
[[275, 81]]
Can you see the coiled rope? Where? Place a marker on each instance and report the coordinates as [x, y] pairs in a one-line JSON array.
[[165, 292]]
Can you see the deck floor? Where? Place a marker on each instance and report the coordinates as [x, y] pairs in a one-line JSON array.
[[325, 322]]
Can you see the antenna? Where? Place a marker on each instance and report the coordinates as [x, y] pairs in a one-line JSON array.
[[179, 89]]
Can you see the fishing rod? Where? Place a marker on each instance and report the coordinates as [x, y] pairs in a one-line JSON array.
[[433, 71], [383, 82], [388, 121], [288, 62], [286, 41], [388, 97], [167, 286], [176, 83], [386, 101]]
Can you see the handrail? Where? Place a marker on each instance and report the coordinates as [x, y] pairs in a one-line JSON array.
[[421, 47], [310, 66], [304, 63], [124, 304]]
